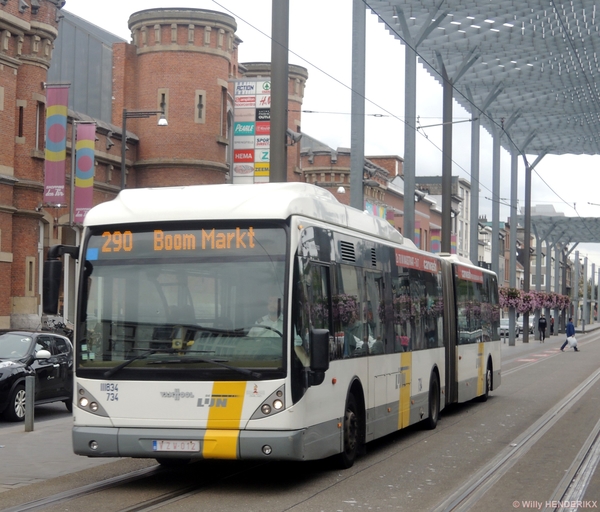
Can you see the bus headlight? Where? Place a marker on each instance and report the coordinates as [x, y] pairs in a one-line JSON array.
[[89, 403], [273, 404]]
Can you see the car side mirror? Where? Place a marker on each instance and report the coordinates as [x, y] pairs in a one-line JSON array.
[[43, 354], [319, 355]]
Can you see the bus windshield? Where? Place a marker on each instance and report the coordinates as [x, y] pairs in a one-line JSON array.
[[204, 303]]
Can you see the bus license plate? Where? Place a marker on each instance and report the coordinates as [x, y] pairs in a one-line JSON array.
[[175, 446]]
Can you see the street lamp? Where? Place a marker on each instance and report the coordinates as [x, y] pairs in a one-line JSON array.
[[132, 114]]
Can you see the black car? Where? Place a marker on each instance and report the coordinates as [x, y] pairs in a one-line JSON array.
[[46, 355]]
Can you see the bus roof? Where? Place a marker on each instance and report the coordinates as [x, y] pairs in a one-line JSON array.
[[267, 201]]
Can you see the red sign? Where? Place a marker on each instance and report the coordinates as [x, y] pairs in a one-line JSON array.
[[417, 261], [243, 155], [262, 128], [245, 102], [469, 274]]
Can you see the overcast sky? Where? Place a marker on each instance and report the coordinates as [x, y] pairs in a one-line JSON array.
[[320, 40]]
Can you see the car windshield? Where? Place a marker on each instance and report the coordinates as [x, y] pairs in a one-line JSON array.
[[207, 300], [14, 346]]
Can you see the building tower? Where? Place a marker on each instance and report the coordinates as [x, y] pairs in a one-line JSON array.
[[179, 61]]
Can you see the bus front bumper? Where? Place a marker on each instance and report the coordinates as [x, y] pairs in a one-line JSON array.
[[194, 444]]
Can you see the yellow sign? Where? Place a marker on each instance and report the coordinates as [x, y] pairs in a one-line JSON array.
[[261, 169]]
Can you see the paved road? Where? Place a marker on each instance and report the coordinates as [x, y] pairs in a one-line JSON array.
[[44, 457]]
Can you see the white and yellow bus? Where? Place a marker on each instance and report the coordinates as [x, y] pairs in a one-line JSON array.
[[265, 322]]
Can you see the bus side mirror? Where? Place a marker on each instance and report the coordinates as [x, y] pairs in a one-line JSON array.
[[51, 286], [319, 355]]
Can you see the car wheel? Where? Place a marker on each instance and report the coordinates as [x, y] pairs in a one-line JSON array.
[[15, 411]]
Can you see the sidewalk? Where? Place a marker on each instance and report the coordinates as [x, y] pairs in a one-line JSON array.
[[44, 453], [560, 337]]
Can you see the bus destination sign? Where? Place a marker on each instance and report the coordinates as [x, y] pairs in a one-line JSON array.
[[126, 243]]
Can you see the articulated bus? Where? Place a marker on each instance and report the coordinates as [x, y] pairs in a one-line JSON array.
[[265, 322]]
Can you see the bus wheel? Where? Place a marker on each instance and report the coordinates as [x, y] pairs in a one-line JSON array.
[[488, 384], [351, 434], [434, 402]]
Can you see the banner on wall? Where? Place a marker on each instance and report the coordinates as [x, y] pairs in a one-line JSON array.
[[84, 171], [252, 131], [417, 238], [57, 100], [436, 240]]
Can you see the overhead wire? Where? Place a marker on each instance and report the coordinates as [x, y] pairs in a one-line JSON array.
[[393, 115]]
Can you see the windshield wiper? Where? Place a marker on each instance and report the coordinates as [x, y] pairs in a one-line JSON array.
[[243, 371], [115, 369], [217, 362], [144, 355]]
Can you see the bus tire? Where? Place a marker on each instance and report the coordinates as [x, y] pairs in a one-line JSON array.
[[434, 402], [488, 384], [351, 434]]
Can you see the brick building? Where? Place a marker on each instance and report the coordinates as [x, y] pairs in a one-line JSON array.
[[27, 34], [383, 187], [181, 61]]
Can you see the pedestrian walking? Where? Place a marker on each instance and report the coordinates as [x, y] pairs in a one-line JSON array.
[[551, 326], [570, 332], [542, 327]]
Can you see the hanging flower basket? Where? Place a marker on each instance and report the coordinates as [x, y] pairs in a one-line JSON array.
[[527, 302]]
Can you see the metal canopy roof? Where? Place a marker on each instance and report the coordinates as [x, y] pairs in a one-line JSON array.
[[565, 230], [539, 56]]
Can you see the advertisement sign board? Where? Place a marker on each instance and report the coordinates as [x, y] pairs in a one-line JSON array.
[[251, 130]]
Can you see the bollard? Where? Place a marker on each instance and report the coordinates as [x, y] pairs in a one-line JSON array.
[[29, 402]]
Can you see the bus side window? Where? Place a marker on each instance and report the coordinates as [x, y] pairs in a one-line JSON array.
[[348, 316], [312, 308], [374, 313]]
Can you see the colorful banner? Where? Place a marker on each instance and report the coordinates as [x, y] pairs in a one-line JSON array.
[[56, 145], [436, 240], [417, 238], [84, 171], [252, 131]]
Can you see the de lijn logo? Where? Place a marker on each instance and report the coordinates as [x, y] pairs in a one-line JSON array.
[[214, 400]]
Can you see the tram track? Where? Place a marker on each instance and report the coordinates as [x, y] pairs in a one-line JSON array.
[[85, 490], [159, 501], [474, 488]]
